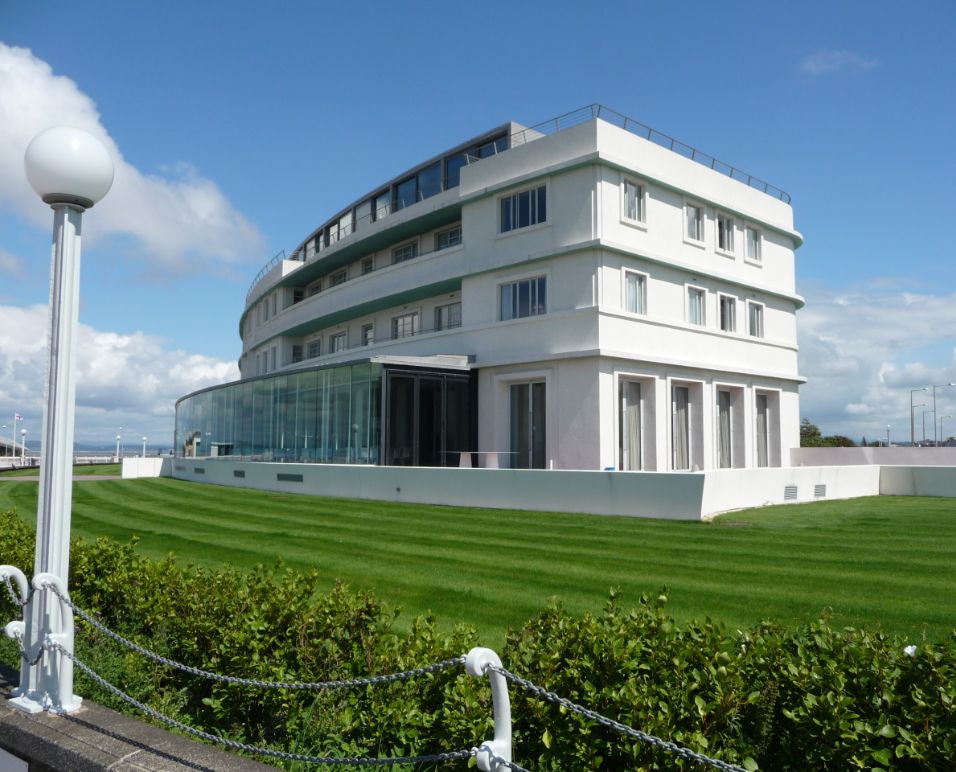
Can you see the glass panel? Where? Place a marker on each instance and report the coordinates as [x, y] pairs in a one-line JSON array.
[[401, 420], [762, 439], [382, 205], [453, 166], [630, 426], [681, 428], [429, 180], [524, 209], [458, 435], [520, 425], [542, 204], [538, 448], [723, 430], [363, 214], [406, 193], [506, 219]]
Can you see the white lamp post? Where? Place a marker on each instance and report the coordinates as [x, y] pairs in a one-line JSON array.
[[71, 170], [144, 446], [912, 407], [23, 446], [117, 448], [940, 386]]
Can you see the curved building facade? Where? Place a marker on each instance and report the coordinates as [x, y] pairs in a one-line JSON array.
[[585, 294]]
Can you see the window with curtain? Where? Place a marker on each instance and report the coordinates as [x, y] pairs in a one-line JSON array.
[[725, 233], [635, 292], [523, 209], [694, 216], [753, 244], [695, 306], [755, 313], [528, 297], [633, 201], [680, 430], [724, 455], [728, 313], [629, 429], [763, 440]]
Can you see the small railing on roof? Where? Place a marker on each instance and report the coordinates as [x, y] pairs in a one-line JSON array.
[[639, 129], [279, 257]]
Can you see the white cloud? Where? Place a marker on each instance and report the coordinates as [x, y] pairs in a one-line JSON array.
[[862, 351], [823, 62], [11, 264], [181, 219], [121, 380]]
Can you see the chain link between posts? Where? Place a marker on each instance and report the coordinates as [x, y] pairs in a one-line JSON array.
[[238, 746], [13, 593], [291, 685], [657, 742]]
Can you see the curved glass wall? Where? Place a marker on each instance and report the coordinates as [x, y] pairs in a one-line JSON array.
[[331, 416]]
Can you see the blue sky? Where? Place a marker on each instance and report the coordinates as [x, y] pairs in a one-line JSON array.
[[241, 129]]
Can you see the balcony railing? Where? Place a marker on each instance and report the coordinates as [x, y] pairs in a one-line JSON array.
[[639, 129], [414, 334]]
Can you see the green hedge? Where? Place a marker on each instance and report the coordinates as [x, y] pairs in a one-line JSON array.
[[811, 698]]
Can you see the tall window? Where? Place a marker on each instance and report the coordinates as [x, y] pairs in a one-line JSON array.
[[405, 325], [763, 429], [725, 233], [696, 309], [635, 292], [728, 313], [629, 429], [368, 334], [448, 316], [368, 265], [338, 342], [339, 277], [528, 423], [296, 352], [448, 238], [315, 289], [753, 244], [633, 201], [314, 348], [724, 445], [528, 297], [755, 319], [680, 428], [405, 252], [406, 193], [382, 205], [520, 210], [694, 219]]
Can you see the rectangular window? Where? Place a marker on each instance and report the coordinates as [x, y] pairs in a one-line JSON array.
[[728, 313], [519, 299], [521, 210], [528, 425], [382, 205], [448, 316], [368, 265], [296, 352], [406, 193], [680, 428], [315, 289], [332, 234], [314, 348], [272, 359], [339, 277], [298, 295], [696, 309], [633, 201], [453, 165], [448, 238], [725, 233], [694, 217], [338, 342], [368, 333], [345, 225], [753, 244], [755, 319], [363, 214], [635, 292], [405, 325], [629, 429], [724, 444], [405, 252], [762, 430], [429, 180]]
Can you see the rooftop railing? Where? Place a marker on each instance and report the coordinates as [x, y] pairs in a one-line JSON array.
[[584, 114]]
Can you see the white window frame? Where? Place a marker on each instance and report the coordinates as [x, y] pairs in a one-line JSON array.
[[758, 258], [335, 338], [760, 333], [416, 324], [338, 277], [688, 288], [413, 245], [518, 280], [720, 311], [531, 226], [446, 307], [315, 343], [641, 220], [731, 250], [448, 232], [642, 295], [700, 239], [367, 265], [366, 339]]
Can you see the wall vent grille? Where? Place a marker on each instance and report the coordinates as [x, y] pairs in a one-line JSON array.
[[282, 477], [789, 492], [238, 473], [820, 491], [199, 470]]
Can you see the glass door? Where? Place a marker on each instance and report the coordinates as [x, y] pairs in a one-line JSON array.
[[680, 429], [528, 421], [762, 426], [629, 428], [724, 446]]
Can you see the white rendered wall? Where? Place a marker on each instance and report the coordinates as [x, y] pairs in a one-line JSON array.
[[892, 455], [918, 481]]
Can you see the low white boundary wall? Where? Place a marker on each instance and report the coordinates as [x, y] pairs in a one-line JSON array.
[[144, 467], [893, 455], [918, 481]]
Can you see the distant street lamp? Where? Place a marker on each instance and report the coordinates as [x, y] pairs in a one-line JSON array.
[[144, 446], [940, 386], [23, 446], [912, 432], [941, 426], [920, 404], [887, 435], [117, 448], [71, 170]]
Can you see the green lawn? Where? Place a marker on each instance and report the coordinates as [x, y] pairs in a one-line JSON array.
[[79, 469], [876, 561]]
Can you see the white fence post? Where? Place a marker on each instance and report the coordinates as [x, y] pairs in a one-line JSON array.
[[477, 662], [17, 628]]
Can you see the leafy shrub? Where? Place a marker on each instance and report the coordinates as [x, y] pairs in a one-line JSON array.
[[810, 698]]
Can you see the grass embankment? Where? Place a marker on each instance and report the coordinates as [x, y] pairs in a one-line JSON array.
[[78, 470], [883, 561]]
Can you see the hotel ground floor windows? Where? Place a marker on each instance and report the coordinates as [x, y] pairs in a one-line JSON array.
[[680, 428], [763, 430], [724, 438], [528, 422], [630, 429]]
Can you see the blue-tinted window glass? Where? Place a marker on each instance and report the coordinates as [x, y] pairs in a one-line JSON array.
[[453, 166], [524, 209], [429, 180], [506, 223], [406, 193], [542, 213]]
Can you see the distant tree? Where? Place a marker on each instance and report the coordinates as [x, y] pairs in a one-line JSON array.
[[838, 441], [810, 434]]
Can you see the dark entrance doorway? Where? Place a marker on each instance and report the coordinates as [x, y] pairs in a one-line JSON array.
[[430, 417]]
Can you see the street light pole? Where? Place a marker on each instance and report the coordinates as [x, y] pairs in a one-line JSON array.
[[941, 426], [940, 386], [71, 170], [913, 441], [912, 428], [887, 435], [23, 447], [117, 448], [144, 446]]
